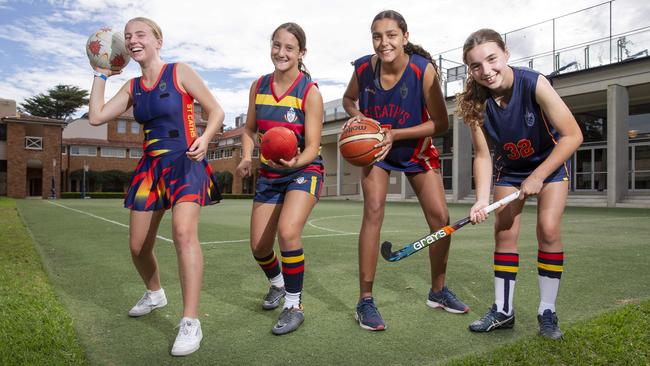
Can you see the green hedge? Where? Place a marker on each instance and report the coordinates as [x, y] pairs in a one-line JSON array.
[[93, 194]]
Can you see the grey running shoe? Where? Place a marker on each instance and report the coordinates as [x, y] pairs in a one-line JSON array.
[[548, 327], [273, 297], [289, 320], [493, 319], [147, 303]]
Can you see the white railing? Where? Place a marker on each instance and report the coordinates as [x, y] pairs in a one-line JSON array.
[[33, 143]]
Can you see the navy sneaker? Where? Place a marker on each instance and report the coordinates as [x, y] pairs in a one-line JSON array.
[[368, 316], [447, 300], [492, 320], [548, 327]]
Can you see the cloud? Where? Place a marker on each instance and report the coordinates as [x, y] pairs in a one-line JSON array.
[[228, 42]]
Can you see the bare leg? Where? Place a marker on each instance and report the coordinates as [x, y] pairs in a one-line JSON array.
[[185, 218], [142, 237]]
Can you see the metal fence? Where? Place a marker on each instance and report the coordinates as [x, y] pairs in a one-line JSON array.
[[571, 42]]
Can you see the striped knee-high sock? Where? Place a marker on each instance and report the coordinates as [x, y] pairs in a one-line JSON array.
[[549, 269], [293, 269], [506, 266], [271, 267]]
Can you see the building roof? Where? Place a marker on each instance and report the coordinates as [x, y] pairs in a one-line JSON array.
[[26, 118]]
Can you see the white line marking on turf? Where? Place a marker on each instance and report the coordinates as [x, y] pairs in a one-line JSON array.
[[311, 223], [102, 218]]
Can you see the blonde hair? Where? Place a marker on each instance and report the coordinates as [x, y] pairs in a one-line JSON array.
[[471, 102], [155, 28]]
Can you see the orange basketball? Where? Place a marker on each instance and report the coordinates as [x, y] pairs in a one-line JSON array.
[[357, 142]]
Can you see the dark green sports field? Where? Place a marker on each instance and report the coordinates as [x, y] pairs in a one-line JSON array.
[[84, 247]]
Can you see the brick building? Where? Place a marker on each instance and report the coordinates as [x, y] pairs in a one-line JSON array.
[[38, 154], [226, 153], [30, 153]]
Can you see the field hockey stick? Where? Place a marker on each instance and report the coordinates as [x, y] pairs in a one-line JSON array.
[[389, 255]]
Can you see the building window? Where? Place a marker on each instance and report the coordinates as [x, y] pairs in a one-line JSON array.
[[113, 152], [135, 128], [135, 153], [256, 152], [79, 150], [3, 132], [199, 131], [33, 143], [64, 149], [219, 154], [227, 153], [121, 126]]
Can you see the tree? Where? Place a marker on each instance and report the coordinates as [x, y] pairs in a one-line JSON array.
[[60, 102]]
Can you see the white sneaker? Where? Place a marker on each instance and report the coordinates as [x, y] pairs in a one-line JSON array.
[[189, 337], [149, 301]]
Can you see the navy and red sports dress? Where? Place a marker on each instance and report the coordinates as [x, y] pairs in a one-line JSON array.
[[520, 134], [165, 176], [287, 110], [401, 106]]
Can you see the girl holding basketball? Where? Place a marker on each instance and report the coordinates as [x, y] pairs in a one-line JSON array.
[[399, 87], [533, 134], [173, 172], [286, 191]]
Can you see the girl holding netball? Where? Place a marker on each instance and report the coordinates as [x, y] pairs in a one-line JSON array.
[[286, 191], [533, 135], [173, 172], [399, 87]]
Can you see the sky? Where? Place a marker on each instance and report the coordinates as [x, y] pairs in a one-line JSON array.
[[42, 43]]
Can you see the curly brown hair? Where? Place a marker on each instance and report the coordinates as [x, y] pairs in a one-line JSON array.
[[471, 102]]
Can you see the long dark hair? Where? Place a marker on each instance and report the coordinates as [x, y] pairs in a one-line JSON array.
[[471, 102], [409, 48], [299, 33]]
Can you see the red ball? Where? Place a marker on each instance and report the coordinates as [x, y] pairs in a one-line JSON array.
[[279, 143], [357, 142]]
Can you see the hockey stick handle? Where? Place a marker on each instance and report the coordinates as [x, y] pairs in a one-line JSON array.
[[502, 202]]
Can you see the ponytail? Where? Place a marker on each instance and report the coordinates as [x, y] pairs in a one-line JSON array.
[[411, 49]]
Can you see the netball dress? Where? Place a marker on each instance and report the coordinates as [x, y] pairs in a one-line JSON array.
[[165, 175]]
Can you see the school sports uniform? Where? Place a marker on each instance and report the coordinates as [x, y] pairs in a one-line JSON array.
[[165, 176], [288, 111], [522, 139], [401, 106], [520, 133]]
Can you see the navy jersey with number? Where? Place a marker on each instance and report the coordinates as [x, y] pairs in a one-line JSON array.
[[520, 134], [401, 106], [287, 110]]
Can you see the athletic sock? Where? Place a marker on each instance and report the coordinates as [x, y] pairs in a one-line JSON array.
[[277, 281], [156, 295], [549, 269], [270, 265], [506, 266], [293, 270]]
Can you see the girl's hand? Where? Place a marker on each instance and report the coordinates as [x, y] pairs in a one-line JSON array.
[[244, 168], [352, 120], [107, 72], [199, 149], [477, 213], [385, 145], [530, 187], [285, 164]]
